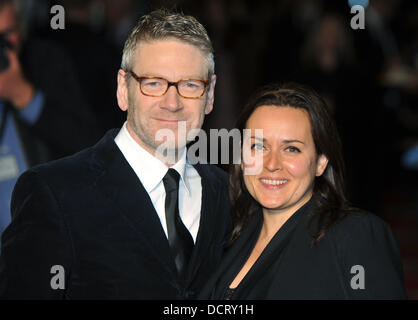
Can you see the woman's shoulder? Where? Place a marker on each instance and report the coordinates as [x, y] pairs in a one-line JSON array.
[[349, 223], [359, 221], [363, 241], [362, 231]]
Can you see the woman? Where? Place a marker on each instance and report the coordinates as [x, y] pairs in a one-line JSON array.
[[294, 235]]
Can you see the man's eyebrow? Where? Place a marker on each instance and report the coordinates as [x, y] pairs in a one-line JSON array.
[[159, 75]]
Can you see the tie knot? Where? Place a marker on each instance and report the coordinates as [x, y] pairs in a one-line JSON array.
[[171, 180]]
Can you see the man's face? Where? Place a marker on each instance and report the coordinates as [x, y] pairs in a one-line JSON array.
[[8, 25], [172, 60]]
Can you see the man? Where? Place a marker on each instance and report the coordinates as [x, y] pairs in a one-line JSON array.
[[38, 94], [104, 224]]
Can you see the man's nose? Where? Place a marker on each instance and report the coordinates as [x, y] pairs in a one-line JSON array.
[[171, 100]]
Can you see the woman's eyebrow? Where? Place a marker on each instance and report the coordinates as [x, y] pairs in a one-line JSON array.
[[258, 138], [287, 141]]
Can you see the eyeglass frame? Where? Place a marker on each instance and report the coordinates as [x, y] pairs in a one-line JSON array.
[[169, 84]]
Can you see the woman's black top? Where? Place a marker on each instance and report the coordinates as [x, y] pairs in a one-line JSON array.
[[357, 259]]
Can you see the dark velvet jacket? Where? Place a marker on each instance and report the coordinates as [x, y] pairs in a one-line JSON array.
[[359, 247], [90, 214]]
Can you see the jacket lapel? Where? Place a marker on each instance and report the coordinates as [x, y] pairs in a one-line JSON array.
[[204, 240], [117, 181]]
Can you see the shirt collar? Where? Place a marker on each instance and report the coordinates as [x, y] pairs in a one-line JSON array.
[[149, 169]]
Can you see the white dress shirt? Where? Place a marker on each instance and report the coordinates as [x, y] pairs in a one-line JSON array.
[[151, 172]]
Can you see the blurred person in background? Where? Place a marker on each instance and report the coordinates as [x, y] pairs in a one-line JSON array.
[[95, 60], [43, 114], [327, 62], [291, 22], [385, 51], [119, 19]]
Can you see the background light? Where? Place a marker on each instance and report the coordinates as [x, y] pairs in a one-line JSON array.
[[363, 3]]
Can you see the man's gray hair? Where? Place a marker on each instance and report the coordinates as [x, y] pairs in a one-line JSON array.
[[164, 24]]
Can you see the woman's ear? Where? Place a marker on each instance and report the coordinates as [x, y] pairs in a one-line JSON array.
[[321, 165]]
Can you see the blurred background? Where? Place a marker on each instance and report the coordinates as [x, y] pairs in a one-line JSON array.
[[368, 76]]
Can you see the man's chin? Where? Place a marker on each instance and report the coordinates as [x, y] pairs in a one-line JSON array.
[[170, 151]]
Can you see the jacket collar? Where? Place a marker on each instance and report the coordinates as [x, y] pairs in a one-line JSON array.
[[116, 180]]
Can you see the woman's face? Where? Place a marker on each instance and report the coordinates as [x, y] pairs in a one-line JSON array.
[[280, 167]]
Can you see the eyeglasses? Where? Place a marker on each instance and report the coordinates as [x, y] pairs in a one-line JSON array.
[[157, 86]]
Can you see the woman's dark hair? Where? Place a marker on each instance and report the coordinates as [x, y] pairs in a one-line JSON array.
[[329, 190]]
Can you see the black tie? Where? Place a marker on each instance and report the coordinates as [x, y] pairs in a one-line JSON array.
[[179, 238]]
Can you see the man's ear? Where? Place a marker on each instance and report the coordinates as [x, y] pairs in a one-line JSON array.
[[211, 95], [122, 91], [321, 165]]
